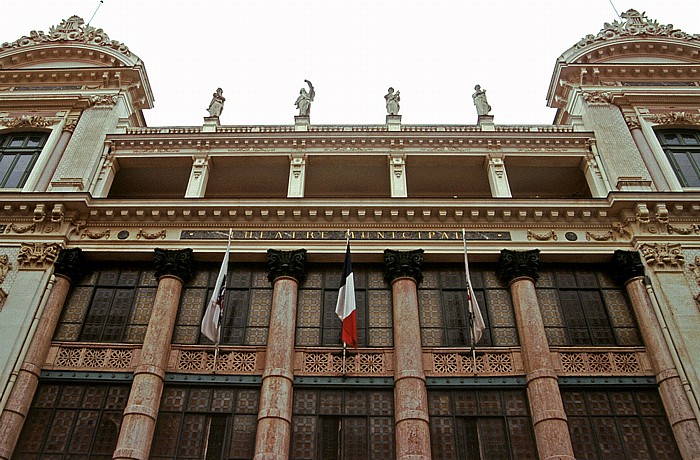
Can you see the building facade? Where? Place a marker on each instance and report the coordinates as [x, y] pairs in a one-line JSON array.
[[582, 237]]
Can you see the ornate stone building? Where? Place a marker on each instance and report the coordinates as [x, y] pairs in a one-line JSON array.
[[583, 240]]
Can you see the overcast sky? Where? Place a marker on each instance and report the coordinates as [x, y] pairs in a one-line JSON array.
[[261, 51]]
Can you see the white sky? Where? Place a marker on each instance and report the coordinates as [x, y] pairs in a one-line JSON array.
[[261, 51]]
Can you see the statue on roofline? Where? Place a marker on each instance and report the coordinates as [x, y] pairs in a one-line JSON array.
[[305, 99], [216, 106]]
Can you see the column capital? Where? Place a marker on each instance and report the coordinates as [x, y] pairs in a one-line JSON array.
[[175, 262], [516, 264], [626, 265], [286, 263], [398, 264], [69, 264]]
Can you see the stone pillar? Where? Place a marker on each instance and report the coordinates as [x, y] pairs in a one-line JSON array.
[[199, 176], [297, 175], [275, 414], [173, 269], [397, 164], [657, 176], [519, 270], [498, 179], [629, 271], [67, 271], [403, 272]]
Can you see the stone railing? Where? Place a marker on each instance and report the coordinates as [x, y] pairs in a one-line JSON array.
[[329, 362], [459, 362], [601, 361], [196, 359], [93, 356]]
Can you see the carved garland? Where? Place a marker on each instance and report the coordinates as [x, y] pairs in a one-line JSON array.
[[31, 121]]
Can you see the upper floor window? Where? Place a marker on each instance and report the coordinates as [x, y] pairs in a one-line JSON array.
[[683, 150], [18, 153]]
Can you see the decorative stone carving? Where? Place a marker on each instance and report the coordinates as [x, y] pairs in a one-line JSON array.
[[150, 236], [516, 264], [663, 255], [37, 255], [58, 213], [85, 233], [177, 263], [103, 101], [626, 265], [69, 263], [600, 237], [5, 267], [597, 97], [399, 264], [70, 125], [69, 30], [286, 263], [392, 101], [676, 118], [3, 298], [480, 102], [22, 228], [621, 229], [694, 228], [39, 213], [634, 24], [29, 121], [632, 122], [550, 235], [695, 269]]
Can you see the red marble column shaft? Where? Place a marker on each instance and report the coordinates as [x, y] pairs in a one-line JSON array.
[[140, 414], [275, 413], [680, 414], [410, 394], [546, 407], [17, 407]]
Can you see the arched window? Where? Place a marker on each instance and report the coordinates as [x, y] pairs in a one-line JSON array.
[[18, 153], [683, 150]]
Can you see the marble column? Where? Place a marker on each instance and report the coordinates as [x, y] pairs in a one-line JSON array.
[[67, 271], [629, 270], [403, 272], [173, 269], [519, 270], [275, 413]]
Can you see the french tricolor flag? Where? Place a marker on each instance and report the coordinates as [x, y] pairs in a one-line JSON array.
[[346, 306]]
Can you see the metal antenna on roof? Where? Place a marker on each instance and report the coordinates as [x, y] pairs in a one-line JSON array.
[[613, 6], [93, 14]]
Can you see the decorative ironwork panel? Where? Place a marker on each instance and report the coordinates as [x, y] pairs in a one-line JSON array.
[[356, 363], [444, 312], [614, 424], [480, 424], [193, 420], [227, 362], [582, 306], [342, 424], [317, 322], [67, 420], [94, 357]]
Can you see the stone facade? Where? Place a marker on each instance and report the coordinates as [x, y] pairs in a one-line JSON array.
[[584, 265]]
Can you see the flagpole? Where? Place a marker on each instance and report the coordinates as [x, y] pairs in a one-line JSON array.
[[345, 345], [218, 338], [472, 331]]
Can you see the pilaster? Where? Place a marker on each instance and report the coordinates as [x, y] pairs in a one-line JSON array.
[[199, 176], [276, 395], [397, 165], [498, 178], [297, 175], [403, 270], [519, 270]]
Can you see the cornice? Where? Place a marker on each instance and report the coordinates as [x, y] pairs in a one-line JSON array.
[[181, 139]]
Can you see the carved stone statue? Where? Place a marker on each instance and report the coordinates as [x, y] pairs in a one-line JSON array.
[[216, 106], [304, 100], [392, 102], [480, 102]]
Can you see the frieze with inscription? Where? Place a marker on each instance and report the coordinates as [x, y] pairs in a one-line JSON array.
[[340, 235]]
